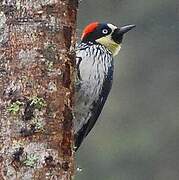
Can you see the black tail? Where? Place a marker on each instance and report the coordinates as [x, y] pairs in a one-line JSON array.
[[78, 139]]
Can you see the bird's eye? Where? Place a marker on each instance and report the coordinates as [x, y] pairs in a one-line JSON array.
[[104, 31]]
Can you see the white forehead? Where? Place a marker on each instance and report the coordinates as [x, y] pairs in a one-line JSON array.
[[112, 26]]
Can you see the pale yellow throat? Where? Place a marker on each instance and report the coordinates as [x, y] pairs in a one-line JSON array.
[[113, 47]]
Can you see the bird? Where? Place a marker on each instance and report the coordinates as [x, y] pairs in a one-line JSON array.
[[100, 42]]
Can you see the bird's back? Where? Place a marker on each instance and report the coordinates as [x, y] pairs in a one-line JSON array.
[[94, 79]]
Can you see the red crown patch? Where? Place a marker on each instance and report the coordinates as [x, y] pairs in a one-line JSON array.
[[89, 28]]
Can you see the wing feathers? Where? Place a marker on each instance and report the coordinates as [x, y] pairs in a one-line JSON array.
[[95, 72]]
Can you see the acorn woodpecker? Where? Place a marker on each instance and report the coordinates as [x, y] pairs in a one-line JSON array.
[[94, 64]]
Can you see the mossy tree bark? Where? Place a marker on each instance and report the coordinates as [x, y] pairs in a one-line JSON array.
[[37, 39]]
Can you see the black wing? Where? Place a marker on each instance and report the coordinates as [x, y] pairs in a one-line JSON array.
[[97, 108]]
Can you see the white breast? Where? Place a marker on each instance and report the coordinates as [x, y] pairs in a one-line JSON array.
[[94, 66]]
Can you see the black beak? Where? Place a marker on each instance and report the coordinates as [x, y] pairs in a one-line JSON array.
[[126, 28], [118, 33]]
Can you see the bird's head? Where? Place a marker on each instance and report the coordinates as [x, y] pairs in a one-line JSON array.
[[107, 35]]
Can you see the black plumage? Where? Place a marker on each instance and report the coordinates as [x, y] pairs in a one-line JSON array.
[[99, 79]]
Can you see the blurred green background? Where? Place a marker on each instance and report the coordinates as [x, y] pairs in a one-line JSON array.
[[137, 135]]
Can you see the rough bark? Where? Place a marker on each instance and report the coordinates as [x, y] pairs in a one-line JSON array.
[[37, 57]]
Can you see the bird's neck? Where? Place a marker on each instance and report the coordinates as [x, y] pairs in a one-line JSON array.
[[114, 49], [112, 46]]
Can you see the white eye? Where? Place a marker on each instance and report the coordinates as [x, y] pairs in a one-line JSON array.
[[104, 31]]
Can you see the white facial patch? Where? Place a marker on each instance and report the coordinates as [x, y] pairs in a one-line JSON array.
[[111, 26], [109, 43]]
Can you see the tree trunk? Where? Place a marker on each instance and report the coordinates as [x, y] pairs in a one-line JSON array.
[[37, 39]]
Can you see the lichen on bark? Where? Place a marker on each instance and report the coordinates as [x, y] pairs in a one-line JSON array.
[[37, 40]]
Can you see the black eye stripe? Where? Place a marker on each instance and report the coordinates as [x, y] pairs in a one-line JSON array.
[[101, 31], [105, 31]]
